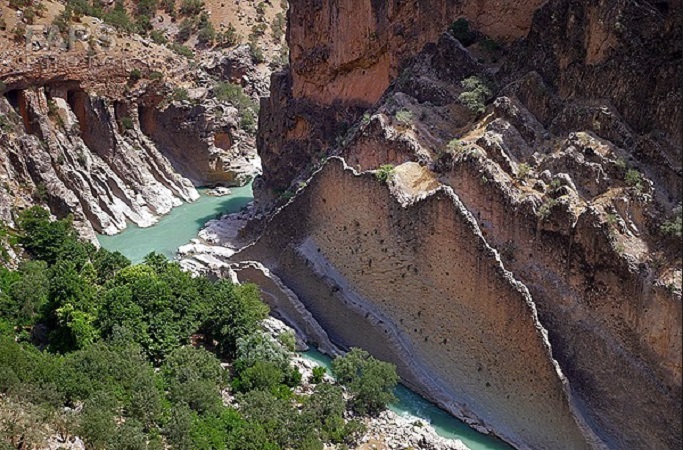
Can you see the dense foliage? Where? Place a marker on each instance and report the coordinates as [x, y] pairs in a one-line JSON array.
[[127, 357]]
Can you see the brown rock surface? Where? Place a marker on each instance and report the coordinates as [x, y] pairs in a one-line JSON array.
[[410, 278]]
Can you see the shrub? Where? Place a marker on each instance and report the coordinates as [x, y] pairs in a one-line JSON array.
[[238, 313], [404, 117], [19, 32], [257, 55], [155, 76], [263, 375], [180, 95], [207, 33], [127, 123], [288, 340], [455, 146], [192, 7], [118, 18], [277, 27], [185, 30], [135, 74], [634, 179], [234, 94], [259, 347], [673, 227], [158, 37], [182, 50], [370, 381], [318, 374], [523, 171], [147, 8], [5, 124], [169, 7], [385, 172], [546, 208], [475, 95], [229, 37], [491, 45], [29, 15]]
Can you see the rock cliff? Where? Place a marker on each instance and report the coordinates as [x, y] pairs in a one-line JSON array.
[[559, 138], [114, 128]]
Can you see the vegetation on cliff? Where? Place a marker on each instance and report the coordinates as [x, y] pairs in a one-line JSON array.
[[95, 347]]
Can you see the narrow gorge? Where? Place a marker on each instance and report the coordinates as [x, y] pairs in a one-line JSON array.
[[485, 194]]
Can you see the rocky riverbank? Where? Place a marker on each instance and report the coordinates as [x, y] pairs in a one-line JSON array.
[[388, 430]]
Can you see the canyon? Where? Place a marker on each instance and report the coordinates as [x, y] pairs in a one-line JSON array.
[[542, 179], [479, 192]]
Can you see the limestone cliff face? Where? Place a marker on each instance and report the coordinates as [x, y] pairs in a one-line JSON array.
[[344, 55], [570, 169], [71, 151], [411, 279], [104, 134]]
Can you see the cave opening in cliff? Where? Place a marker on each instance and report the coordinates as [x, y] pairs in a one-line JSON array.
[[17, 100], [12, 97]]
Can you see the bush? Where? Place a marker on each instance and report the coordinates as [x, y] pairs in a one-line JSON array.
[[385, 172], [158, 37], [180, 95], [257, 55], [192, 7], [182, 50], [259, 347], [185, 30], [277, 27], [404, 117], [233, 94], [207, 33], [673, 227], [475, 95], [318, 374], [263, 375], [19, 32], [546, 208], [127, 123], [229, 37], [634, 179], [288, 340], [135, 74], [371, 382], [523, 171], [118, 18]]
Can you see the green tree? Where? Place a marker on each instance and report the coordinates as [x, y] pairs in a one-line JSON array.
[[370, 381], [97, 425], [237, 312]]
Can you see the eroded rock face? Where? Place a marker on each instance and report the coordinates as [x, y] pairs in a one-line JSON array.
[[415, 283], [570, 168], [85, 156], [343, 57], [202, 141]]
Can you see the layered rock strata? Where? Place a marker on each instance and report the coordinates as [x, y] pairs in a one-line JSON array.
[[571, 169], [74, 153], [408, 276]]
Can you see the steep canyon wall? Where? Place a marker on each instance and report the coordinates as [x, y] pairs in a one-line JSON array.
[[417, 284]]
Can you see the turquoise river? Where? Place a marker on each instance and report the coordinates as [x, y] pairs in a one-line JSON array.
[[183, 223]]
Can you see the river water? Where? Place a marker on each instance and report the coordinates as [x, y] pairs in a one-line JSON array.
[[176, 228], [184, 222]]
